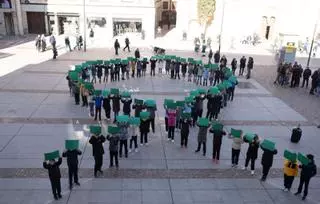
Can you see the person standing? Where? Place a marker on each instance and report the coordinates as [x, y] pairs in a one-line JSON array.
[[249, 67], [126, 105], [236, 148], [307, 172], [115, 105], [168, 65], [127, 42], [94, 74], [217, 141], [43, 43], [106, 72], [234, 65], [243, 62], [117, 68], [210, 55], [133, 132], [98, 103], [113, 149], [185, 124], [184, 69], [172, 114], [99, 72], [72, 161], [133, 64], [217, 76], [252, 153], [123, 136], [116, 46], [144, 67], [306, 75], [76, 92], [315, 80], [153, 66], [290, 170], [216, 57], [144, 130], [67, 43], [53, 168], [160, 66], [137, 54], [223, 61], [106, 106], [97, 151], [38, 43], [266, 161], [177, 70], [53, 44], [172, 68], [152, 110], [209, 106], [295, 73], [84, 95], [216, 106], [202, 138]]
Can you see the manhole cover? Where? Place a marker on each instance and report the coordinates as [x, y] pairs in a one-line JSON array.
[[245, 85]]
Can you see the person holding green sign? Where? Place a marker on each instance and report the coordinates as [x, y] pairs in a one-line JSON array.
[[72, 161], [106, 106], [185, 123], [133, 132], [117, 67], [237, 140], [113, 148], [267, 159], [252, 152], [144, 130], [172, 114], [97, 141], [98, 103], [53, 168], [76, 92], [123, 136], [290, 170], [106, 68], [115, 97], [190, 71], [144, 67], [126, 105], [202, 134], [308, 171], [218, 133]]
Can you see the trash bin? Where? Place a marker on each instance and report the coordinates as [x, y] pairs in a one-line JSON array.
[[296, 135]]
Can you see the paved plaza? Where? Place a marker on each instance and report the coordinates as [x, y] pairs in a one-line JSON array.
[[37, 114]]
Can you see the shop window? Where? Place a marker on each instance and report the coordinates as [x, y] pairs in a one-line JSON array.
[[5, 4]]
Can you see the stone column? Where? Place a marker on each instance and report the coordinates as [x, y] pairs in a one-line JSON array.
[[46, 24], [19, 17], [56, 24]]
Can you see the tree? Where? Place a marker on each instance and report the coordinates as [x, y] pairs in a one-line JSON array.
[[206, 9]]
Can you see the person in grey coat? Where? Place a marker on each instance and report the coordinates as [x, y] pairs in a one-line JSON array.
[[113, 148], [202, 138], [152, 111], [123, 136]]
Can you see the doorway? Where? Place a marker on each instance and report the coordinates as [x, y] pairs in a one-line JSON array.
[[36, 22], [8, 21]]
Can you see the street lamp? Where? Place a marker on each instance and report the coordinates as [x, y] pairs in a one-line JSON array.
[[311, 47], [84, 27], [221, 26]]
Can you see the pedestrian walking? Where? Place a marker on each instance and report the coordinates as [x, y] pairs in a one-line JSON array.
[[43, 43], [38, 43], [243, 62], [98, 103], [172, 114], [72, 161], [94, 74], [217, 141], [133, 132], [53, 168], [76, 92], [67, 43], [249, 67], [267, 161], [290, 170], [152, 110], [116, 46], [113, 149], [127, 43], [307, 172], [252, 153], [97, 152], [236, 148]]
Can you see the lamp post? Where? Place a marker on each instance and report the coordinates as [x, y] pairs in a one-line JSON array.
[[84, 27], [221, 26], [312, 42]]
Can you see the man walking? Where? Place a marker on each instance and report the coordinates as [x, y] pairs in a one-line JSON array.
[[243, 61], [72, 161], [116, 46], [127, 42], [306, 75]]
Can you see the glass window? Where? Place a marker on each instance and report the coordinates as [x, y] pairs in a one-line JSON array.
[[5, 3], [165, 5]]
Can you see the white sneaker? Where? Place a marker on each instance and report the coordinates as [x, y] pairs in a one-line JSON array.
[[252, 172], [141, 144], [172, 141], [130, 150], [244, 168], [285, 190], [147, 144], [136, 150]]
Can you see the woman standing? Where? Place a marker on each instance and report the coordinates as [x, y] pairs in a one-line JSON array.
[[252, 152]]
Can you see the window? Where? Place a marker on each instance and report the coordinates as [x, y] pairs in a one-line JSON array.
[[5, 3], [165, 5]]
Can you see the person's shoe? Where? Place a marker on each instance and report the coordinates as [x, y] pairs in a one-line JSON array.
[[120, 156], [126, 156], [101, 172], [263, 179], [235, 166], [77, 183], [169, 139], [204, 154], [297, 193], [136, 150], [141, 144], [197, 151], [217, 161], [252, 172], [59, 196], [244, 168], [304, 197], [285, 190], [130, 150], [55, 197], [172, 141]]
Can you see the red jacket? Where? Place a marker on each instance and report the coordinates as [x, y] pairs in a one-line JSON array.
[[172, 118]]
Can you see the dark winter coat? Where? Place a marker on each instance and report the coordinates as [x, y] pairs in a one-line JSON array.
[[137, 54], [97, 147], [252, 151], [126, 105], [217, 136], [106, 103], [153, 63], [202, 134], [115, 103], [199, 103], [267, 157], [243, 62], [116, 45], [216, 57], [306, 73], [72, 157], [53, 170], [210, 103], [308, 171], [185, 126], [217, 100], [145, 126], [152, 111], [113, 142]]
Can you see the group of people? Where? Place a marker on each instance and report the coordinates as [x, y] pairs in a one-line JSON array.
[[288, 74]]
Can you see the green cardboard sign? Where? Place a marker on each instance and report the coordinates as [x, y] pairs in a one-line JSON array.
[[186, 115], [138, 101], [221, 86], [126, 94], [134, 121], [99, 61], [145, 59], [122, 118], [183, 60], [115, 91], [203, 122], [125, 61], [150, 103], [214, 90], [202, 91], [95, 129], [217, 126], [291, 156], [105, 93], [106, 62], [51, 155], [214, 66], [189, 99], [227, 84], [130, 59], [199, 62], [113, 129], [72, 144], [73, 75], [236, 133], [249, 137], [268, 144], [233, 79], [89, 86], [144, 115], [97, 92], [180, 103], [303, 159], [194, 93], [190, 60]]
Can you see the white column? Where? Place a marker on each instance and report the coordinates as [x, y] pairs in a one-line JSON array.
[[19, 17], [46, 23], [56, 24]]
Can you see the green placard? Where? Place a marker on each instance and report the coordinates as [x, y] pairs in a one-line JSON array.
[[144, 115], [303, 159], [189, 99], [227, 84], [106, 62], [217, 126], [122, 118], [291, 156], [207, 66], [145, 59], [186, 115], [180, 103], [221, 87], [183, 60], [268, 144], [89, 86], [99, 61], [95, 129], [134, 121], [190, 60], [214, 66], [214, 90], [125, 61], [199, 62], [78, 68], [105, 93], [194, 93], [150, 103], [203, 122], [73, 75], [236, 133], [167, 101], [72, 144], [113, 129], [118, 61], [97, 92], [51, 155], [126, 94], [112, 61], [114, 91], [138, 101], [233, 79], [202, 91], [249, 136], [130, 59]]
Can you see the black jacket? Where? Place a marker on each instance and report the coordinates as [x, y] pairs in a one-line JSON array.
[[116, 45], [315, 76], [137, 54], [53, 170], [97, 147], [144, 126], [216, 57], [72, 157], [216, 105], [234, 64], [115, 103], [210, 102], [99, 73], [308, 171], [243, 62], [113, 143], [106, 103], [267, 157], [126, 105], [153, 63], [253, 148], [185, 125], [306, 73], [217, 136], [138, 109]]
